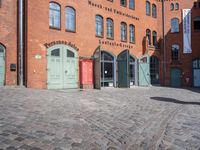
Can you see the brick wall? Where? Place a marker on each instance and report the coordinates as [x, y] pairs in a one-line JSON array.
[[8, 37]]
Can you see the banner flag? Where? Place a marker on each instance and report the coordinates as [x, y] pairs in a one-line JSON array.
[[187, 48]]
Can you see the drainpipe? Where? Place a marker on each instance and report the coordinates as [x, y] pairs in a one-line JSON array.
[[164, 42], [20, 42]]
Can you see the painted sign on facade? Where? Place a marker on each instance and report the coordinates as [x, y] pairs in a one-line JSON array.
[[187, 31]]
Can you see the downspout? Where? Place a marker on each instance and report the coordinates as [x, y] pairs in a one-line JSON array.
[[20, 42], [164, 43]]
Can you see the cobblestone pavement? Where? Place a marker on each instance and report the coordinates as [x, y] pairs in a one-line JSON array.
[[111, 119]]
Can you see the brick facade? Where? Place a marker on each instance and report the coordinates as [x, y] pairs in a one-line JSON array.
[[8, 37], [38, 33]]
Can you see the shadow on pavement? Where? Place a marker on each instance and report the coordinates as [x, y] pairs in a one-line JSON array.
[[172, 100], [196, 90]]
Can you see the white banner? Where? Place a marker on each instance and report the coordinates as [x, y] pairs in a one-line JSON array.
[[187, 48]]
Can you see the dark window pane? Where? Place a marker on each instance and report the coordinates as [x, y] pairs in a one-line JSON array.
[[197, 23], [175, 52], [123, 2], [1, 49], [55, 52], [70, 53]]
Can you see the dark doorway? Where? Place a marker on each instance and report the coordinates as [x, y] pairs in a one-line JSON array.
[[154, 70], [107, 69]]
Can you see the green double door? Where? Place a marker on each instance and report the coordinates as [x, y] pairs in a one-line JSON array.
[[144, 71], [123, 61], [2, 65], [62, 67]]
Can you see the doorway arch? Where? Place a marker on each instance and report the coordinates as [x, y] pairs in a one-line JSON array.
[[2, 65], [62, 67]]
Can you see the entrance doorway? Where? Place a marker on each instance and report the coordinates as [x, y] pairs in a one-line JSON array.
[[2, 65], [107, 69], [176, 77], [196, 73], [133, 69], [154, 70], [62, 67]]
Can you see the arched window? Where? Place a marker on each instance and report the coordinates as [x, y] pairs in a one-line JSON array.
[[99, 25], [132, 33], [154, 38], [171, 6], [132, 4], [197, 23], [110, 28], [123, 31], [177, 6], [148, 35], [154, 11], [1, 48], [148, 11], [123, 2], [70, 18], [174, 25], [175, 52], [54, 15]]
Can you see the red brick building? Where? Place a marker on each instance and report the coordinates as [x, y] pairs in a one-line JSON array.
[[68, 44]]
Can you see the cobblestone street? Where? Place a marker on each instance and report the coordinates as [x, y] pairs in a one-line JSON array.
[[139, 118]]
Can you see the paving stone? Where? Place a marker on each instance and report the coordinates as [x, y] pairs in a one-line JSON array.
[[11, 148], [111, 119], [24, 147]]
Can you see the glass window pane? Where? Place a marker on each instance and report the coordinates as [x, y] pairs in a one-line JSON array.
[[55, 52], [70, 53], [109, 28], [132, 4], [54, 15], [99, 25], [1, 49], [70, 18]]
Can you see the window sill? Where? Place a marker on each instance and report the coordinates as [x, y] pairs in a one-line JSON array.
[[132, 42], [125, 41], [123, 5], [99, 36], [70, 31], [109, 38], [175, 32], [176, 62], [54, 28]]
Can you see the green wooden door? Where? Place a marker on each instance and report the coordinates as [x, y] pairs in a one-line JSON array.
[[54, 68], [62, 67], [70, 66], [2, 65], [175, 77], [144, 71], [124, 69]]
